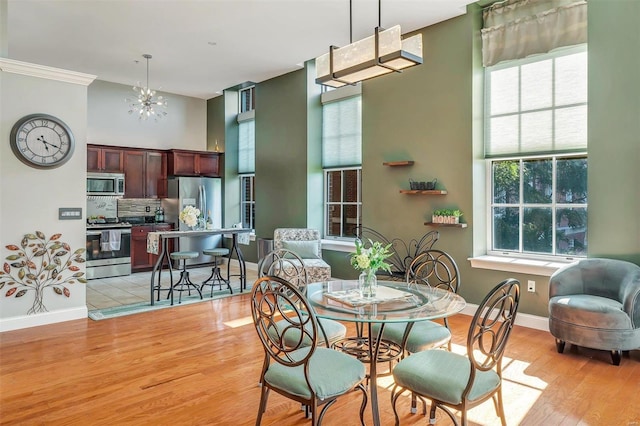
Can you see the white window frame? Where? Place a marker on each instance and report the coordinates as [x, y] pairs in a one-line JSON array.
[[521, 205], [251, 90], [328, 204], [521, 262], [244, 202], [337, 242]]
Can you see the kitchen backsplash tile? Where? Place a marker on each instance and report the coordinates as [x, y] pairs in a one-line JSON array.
[[129, 207]]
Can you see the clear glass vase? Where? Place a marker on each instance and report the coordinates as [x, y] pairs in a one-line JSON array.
[[368, 283]]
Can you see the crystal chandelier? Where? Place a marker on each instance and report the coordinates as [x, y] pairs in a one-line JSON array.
[[147, 104]]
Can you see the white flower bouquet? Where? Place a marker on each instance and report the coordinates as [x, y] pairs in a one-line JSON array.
[[189, 216]]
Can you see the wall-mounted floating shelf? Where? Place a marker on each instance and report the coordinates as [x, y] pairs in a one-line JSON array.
[[452, 225], [397, 163], [424, 192]]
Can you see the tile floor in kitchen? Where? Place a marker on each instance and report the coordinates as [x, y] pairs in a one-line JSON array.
[[135, 288]]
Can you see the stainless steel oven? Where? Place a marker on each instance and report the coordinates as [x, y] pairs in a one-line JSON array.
[[108, 250]]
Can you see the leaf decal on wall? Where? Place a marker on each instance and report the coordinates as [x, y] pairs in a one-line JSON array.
[[41, 263]]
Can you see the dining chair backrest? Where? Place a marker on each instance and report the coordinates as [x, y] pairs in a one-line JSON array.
[[285, 264], [402, 252], [491, 326], [434, 268], [273, 300]]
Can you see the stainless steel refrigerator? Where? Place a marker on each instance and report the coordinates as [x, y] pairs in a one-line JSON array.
[[205, 194]]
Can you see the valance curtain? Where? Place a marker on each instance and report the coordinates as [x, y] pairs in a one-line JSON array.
[[515, 29]]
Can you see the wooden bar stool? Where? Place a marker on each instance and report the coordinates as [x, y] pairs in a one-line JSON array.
[[215, 276], [184, 280]]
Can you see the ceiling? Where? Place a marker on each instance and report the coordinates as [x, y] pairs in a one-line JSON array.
[[200, 47]]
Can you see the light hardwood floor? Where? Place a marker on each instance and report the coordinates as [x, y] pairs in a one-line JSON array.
[[199, 365]]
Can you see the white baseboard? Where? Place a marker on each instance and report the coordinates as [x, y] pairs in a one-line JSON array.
[[524, 320], [26, 321]]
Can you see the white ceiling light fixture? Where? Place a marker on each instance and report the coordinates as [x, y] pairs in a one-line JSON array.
[[382, 53], [147, 104]]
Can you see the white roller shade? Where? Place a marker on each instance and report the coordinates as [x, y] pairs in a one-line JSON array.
[[342, 133], [247, 147]]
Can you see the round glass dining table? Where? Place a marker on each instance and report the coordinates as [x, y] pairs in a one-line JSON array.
[[394, 302]]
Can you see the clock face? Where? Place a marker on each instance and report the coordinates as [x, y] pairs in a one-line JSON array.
[[42, 141]]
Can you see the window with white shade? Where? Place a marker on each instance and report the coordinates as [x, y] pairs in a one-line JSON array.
[[342, 163], [536, 150], [247, 156]]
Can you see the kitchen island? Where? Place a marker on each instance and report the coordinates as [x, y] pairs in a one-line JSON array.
[[157, 243]]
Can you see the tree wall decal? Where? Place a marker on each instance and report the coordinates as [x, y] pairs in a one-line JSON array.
[[40, 263]]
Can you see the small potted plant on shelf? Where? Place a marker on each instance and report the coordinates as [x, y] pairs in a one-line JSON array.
[[448, 216]]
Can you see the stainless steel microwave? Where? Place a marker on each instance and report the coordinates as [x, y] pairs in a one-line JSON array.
[[105, 183]]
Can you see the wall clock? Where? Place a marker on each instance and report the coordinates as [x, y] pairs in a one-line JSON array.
[[42, 141]]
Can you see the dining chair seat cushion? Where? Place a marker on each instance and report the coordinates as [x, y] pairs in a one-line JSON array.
[[218, 251], [424, 335], [334, 330], [331, 373], [443, 375]]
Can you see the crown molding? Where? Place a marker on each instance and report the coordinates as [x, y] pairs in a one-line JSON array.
[[41, 71]]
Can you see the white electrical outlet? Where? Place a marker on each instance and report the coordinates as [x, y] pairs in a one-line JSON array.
[[531, 286]]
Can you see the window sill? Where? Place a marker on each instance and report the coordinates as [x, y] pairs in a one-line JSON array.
[[519, 265], [338, 245]]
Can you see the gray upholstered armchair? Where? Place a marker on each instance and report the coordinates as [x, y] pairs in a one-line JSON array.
[[595, 303], [305, 243]]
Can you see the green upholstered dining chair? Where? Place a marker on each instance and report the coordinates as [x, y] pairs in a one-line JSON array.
[[462, 382], [433, 268], [295, 365], [286, 264]]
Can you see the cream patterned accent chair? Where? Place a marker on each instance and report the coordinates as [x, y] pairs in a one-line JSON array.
[[305, 243], [595, 303]]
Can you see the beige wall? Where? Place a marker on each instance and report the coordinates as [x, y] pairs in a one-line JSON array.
[[30, 198], [109, 123]]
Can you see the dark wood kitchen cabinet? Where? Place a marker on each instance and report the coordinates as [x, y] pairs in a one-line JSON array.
[[145, 174], [105, 160], [140, 259], [193, 163]]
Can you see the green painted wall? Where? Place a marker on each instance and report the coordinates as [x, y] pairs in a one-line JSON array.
[[281, 153], [614, 129], [432, 114]]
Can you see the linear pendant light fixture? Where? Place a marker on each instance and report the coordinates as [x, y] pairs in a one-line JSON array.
[[382, 53]]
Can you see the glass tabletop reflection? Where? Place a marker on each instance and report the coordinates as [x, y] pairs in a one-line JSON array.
[[394, 302]]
